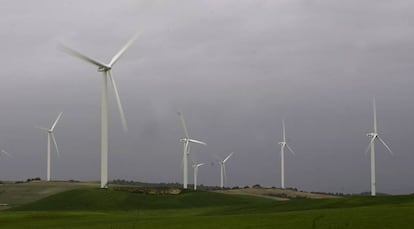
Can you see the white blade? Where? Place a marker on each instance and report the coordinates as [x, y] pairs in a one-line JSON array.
[[225, 174], [200, 164], [5, 153], [369, 145], [75, 53], [290, 149], [54, 142], [183, 124], [284, 131], [42, 128], [375, 115], [56, 121], [224, 161], [385, 144], [123, 49], [188, 148], [118, 101], [197, 141]]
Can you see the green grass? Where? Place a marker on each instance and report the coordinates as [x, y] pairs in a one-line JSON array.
[[97, 208], [110, 200], [22, 193]]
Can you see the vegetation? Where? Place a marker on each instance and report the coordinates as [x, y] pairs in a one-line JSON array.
[[126, 207]]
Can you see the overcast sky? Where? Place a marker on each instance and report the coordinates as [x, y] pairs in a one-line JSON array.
[[234, 68]]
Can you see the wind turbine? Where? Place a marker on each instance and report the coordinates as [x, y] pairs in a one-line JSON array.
[[51, 136], [223, 174], [283, 144], [374, 135], [195, 167], [187, 145], [106, 70]]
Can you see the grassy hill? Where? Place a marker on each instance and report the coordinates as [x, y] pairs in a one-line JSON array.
[[118, 200], [21, 193], [96, 199], [133, 208]]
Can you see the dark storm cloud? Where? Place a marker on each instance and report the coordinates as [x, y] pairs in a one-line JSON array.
[[235, 68]]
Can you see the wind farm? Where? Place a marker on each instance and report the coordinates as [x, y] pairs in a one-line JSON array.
[[107, 75], [283, 91], [374, 137], [50, 138], [195, 168], [186, 152], [223, 173], [283, 144]]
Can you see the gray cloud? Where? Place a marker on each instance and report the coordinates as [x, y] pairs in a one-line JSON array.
[[235, 68]]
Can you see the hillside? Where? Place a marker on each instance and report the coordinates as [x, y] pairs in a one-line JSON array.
[[12, 194], [96, 199], [125, 199], [158, 207], [277, 193], [16, 194]]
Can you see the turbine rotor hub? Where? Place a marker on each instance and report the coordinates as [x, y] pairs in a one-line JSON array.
[[103, 69]]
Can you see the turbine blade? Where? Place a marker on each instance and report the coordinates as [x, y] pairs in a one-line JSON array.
[[290, 149], [56, 146], [123, 49], [188, 148], [369, 145], [76, 53], [200, 164], [197, 141], [5, 153], [224, 174], [42, 128], [183, 125], [284, 131], [224, 161], [375, 115], [56, 121], [118, 101], [386, 146]]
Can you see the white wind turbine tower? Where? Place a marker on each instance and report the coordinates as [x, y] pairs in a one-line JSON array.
[[223, 174], [374, 135], [195, 167], [187, 145], [106, 70], [51, 136], [283, 144]]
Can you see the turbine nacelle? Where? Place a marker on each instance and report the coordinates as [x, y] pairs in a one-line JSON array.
[[282, 143], [197, 165], [372, 135], [104, 68]]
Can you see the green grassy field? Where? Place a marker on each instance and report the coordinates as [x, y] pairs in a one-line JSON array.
[[97, 208], [22, 193]]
